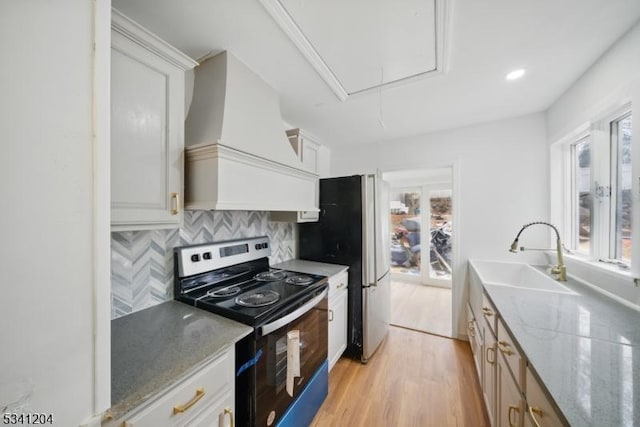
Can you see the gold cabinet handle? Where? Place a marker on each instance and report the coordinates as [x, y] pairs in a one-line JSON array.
[[512, 409], [179, 409], [487, 311], [330, 315], [493, 350], [472, 330], [228, 411], [504, 348], [175, 197], [533, 411]]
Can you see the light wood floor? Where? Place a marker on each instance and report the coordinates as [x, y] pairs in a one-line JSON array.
[[413, 380], [420, 307]]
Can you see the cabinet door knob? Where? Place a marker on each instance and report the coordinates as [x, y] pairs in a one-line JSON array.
[[175, 198]]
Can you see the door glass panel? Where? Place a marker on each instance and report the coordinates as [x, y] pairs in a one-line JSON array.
[[441, 226], [405, 221]]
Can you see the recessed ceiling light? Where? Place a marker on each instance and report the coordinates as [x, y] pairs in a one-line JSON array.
[[515, 74]]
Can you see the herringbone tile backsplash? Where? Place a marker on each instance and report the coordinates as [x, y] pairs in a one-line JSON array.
[[142, 261]]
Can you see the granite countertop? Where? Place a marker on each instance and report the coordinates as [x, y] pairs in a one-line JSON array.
[[155, 348], [311, 267], [582, 345]]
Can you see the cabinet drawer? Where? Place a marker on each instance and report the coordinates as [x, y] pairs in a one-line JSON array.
[[539, 408], [489, 313], [188, 399], [512, 356], [338, 283]]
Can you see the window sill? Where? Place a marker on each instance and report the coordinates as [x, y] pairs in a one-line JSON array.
[[610, 280]]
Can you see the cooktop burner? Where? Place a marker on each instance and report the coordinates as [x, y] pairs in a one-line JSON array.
[[258, 298], [299, 280], [270, 276], [229, 291]]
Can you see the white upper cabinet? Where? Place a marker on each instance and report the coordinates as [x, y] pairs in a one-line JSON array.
[[306, 148], [147, 128]]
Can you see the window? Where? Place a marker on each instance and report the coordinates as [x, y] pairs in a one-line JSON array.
[[601, 203]]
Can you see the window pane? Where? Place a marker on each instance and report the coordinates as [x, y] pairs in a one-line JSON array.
[[406, 222], [622, 133], [441, 228], [582, 198]]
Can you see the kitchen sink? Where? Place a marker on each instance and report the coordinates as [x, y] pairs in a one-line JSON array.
[[516, 275]]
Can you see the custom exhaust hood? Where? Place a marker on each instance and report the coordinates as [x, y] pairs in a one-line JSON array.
[[237, 154]]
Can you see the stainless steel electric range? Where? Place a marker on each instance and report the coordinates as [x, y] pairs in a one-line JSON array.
[[281, 369]]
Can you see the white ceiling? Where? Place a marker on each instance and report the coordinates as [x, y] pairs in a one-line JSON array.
[[371, 42], [555, 41]]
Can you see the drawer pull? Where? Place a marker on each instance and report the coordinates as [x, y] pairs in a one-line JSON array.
[[493, 351], [228, 411], [472, 330], [504, 348], [341, 285], [175, 197], [533, 411], [513, 409], [179, 409], [487, 311], [330, 315]]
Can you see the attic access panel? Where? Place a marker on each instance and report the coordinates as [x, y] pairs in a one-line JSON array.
[[359, 45]]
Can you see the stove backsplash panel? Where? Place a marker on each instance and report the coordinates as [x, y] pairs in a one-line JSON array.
[[142, 261]]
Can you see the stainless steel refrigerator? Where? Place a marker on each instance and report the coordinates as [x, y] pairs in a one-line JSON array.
[[353, 230]]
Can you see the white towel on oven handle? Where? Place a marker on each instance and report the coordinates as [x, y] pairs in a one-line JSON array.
[[293, 359]]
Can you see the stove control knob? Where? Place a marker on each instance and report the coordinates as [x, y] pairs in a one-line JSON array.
[[195, 258], [265, 245], [206, 255], [258, 246]]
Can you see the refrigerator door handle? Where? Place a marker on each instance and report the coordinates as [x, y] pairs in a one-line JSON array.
[[368, 231]]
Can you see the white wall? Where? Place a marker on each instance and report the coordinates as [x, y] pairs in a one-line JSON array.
[[46, 174], [612, 80], [503, 180], [610, 83]]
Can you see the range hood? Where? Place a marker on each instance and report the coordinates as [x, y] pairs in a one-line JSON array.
[[237, 153]]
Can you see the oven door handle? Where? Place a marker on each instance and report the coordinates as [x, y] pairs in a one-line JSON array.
[[299, 312]]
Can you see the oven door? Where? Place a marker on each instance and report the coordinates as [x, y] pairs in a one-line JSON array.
[[294, 347]]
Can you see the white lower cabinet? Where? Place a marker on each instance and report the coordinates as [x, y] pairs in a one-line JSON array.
[[337, 317], [206, 398], [509, 402], [512, 395]]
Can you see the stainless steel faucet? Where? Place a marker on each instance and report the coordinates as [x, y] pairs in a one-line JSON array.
[[559, 270]]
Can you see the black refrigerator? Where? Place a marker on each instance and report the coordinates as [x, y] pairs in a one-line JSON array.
[[353, 230]]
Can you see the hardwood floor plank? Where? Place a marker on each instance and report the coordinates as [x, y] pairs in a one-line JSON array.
[[422, 308], [414, 379]]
